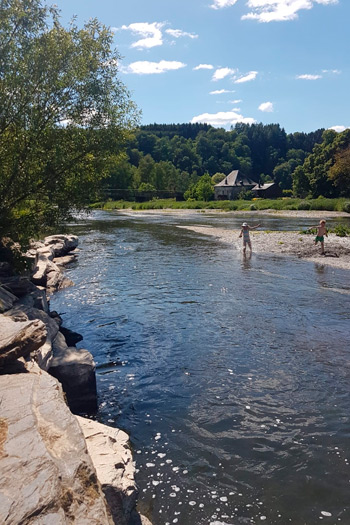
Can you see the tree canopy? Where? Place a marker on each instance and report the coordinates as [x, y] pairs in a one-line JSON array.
[[64, 115]]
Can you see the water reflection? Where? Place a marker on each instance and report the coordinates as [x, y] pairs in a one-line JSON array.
[[231, 373]]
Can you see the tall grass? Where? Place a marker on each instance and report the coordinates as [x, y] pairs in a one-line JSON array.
[[321, 204]]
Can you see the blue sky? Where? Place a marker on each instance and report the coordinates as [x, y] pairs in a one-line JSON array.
[[228, 61]]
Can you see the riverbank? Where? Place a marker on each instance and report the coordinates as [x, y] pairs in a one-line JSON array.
[[55, 465], [284, 243], [337, 249]]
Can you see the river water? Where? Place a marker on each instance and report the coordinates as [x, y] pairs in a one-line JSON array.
[[232, 376]]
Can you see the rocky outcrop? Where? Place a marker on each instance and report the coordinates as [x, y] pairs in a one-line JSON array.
[[46, 272], [111, 455], [47, 475], [19, 339], [75, 369]]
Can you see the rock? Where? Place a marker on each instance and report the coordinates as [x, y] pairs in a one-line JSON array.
[[66, 259], [47, 476], [75, 370], [72, 338], [62, 244], [111, 455], [19, 339], [28, 294], [43, 257], [35, 299], [18, 286], [43, 355], [7, 299]]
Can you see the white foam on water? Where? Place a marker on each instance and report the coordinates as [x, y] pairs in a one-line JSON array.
[[150, 465], [192, 503], [325, 513]]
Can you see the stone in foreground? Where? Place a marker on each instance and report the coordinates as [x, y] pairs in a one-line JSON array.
[[47, 476]]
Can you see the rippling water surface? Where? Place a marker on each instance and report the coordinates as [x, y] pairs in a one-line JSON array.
[[232, 376]]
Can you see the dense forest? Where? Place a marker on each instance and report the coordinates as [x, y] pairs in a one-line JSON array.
[[174, 157]]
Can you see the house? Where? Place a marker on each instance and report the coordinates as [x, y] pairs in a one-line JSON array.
[[232, 185], [271, 190]]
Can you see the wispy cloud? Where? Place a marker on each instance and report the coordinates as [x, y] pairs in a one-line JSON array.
[[151, 34], [143, 67], [309, 77], [223, 72], [222, 119], [177, 33], [219, 4], [266, 107], [203, 66], [246, 78], [237, 101], [339, 129], [331, 71], [273, 10], [221, 91]]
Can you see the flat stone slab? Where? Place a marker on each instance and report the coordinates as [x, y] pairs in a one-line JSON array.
[[111, 455], [19, 339], [47, 476]]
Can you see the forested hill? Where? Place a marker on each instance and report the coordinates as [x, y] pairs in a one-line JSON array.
[[174, 156]]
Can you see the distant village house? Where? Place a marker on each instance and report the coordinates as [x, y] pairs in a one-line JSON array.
[[232, 185], [236, 182]]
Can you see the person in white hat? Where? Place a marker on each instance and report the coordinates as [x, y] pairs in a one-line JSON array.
[[245, 234]]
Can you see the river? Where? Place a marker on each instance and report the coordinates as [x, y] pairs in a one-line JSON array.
[[231, 376]]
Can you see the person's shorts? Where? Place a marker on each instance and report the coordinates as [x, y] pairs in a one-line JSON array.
[[319, 239]]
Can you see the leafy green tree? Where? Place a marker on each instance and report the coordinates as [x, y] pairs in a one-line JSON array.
[[218, 177], [146, 169], [64, 115], [146, 186], [339, 173]]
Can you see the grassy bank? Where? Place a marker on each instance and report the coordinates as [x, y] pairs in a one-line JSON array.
[[240, 205]]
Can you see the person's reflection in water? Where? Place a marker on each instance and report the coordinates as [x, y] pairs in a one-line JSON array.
[[246, 261]]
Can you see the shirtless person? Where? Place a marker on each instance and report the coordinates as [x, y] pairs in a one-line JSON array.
[[321, 232], [246, 238]]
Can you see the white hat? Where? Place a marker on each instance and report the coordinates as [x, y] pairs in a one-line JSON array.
[[244, 224]]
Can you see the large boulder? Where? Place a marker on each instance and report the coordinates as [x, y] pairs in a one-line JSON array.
[[111, 455], [44, 255], [47, 476], [7, 299], [62, 244], [19, 339], [76, 371], [44, 354]]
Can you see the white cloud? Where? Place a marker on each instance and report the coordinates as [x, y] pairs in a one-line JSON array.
[[266, 107], [309, 77], [220, 91], [203, 66], [219, 4], [235, 101], [339, 129], [177, 33], [151, 33], [247, 78], [222, 118], [280, 10], [223, 72], [331, 71], [143, 67]]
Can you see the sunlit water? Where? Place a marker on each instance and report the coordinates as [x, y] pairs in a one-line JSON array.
[[232, 376]]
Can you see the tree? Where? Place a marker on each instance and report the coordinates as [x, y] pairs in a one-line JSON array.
[[340, 172], [218, 177], [64, 115]]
